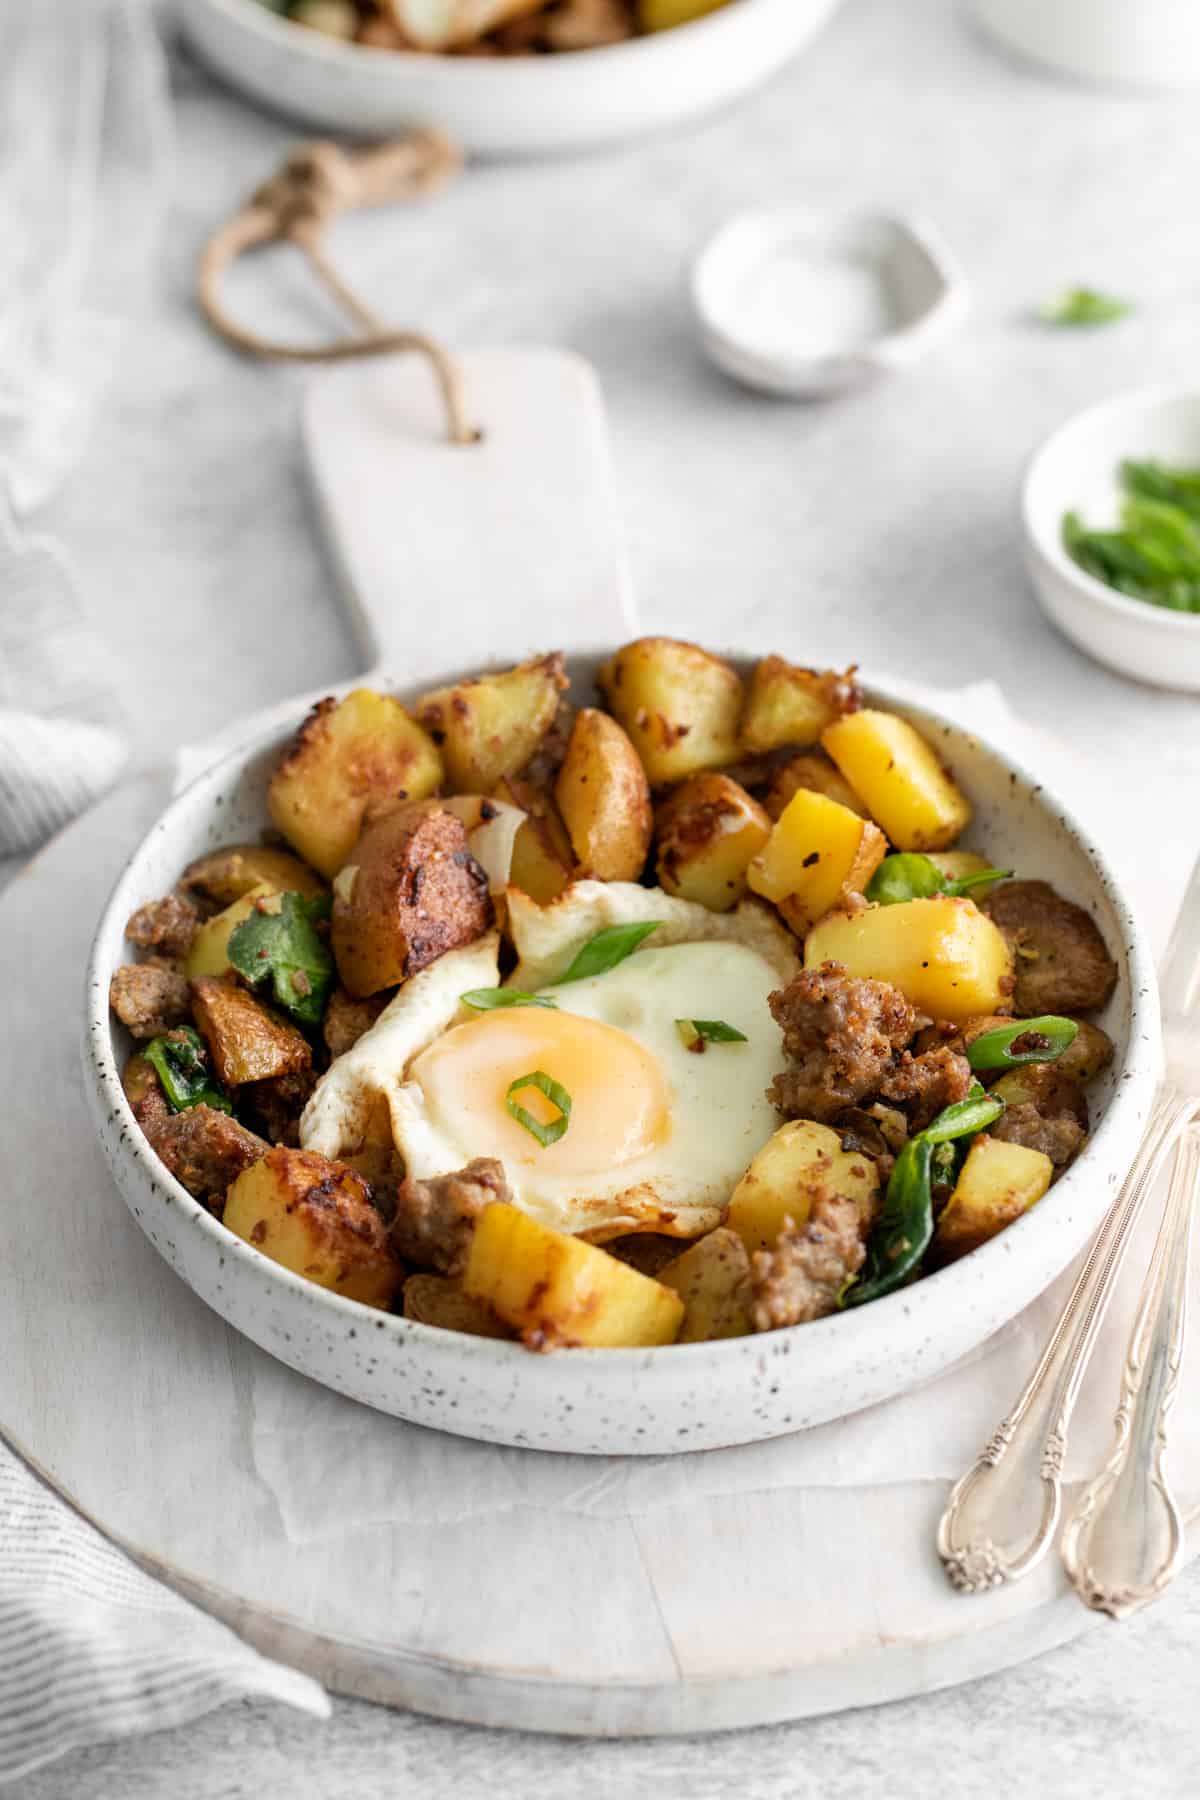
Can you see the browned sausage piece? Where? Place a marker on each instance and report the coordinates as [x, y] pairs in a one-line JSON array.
[[168, 925], [346, 1018], [149, 998], [1062, 963], [204, 1149], [1046, 1111], [434, 1219], [842, 1033], [801, 1278]]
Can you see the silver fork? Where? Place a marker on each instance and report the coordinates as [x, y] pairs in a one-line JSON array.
[[1124, 1539]]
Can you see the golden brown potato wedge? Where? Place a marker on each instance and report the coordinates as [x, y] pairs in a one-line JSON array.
[[491, 726], [351, 762], [998, 1183], [542, 859], [412, 892], [604, 798], [246, 1040], [225, 875], [209, 951], [801, 1161], [907, 792], [818, 853], [712, 1280], [557, 1291], [706, 833], [814, 771], [438, 1300], [944, 955], [316, 1218], [679, 705], [787, 704]]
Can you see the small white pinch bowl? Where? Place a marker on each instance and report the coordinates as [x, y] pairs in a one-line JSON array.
[[906, 283], [503, 106], [636, 1402], [1077, 469], [1153, 44]]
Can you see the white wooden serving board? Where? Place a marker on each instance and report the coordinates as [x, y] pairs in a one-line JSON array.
[[500, 1587], [496, 1586]]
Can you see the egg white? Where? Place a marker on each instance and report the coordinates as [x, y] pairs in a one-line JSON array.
[[718, 1116]]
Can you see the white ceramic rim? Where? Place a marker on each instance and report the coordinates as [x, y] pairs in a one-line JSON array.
[[1132, 1092], [302, 40], [902, 344], [1142, 613]]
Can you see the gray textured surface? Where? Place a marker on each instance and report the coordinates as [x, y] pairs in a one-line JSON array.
[[881, 528]]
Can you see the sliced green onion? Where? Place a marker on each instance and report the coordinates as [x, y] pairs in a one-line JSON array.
[[608, 948], [1042, 1040], [554, 1092], [1083, 306], [963, 884], [975, 1113], [695, 1034], [907, 875], [492, 999]]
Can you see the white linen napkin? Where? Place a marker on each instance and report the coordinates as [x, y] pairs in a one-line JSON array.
[[84, 172], [92, 1649]]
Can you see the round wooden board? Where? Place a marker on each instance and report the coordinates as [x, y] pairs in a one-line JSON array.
[[500, 1587]]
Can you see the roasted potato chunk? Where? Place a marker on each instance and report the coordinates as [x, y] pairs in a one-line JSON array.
[[679, 705], [351, 762], [437, 1300], [246, 1040], [998, 1183], [802, 1161], [316, 1218], [712, 1279], [543, 861], [412, 892], [209, 952], [1092, 1051], [897, 774], [707, 832], [817, 854], [225, 875], [1062, 962], [790, 705], [812, 770], [557, 1291], [944, 955], [491, 726], [604, 799]]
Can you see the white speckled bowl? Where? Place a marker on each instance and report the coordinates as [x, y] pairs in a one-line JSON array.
[[504, 106], [686, 1397]]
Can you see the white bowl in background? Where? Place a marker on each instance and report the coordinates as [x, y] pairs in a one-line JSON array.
[[503, 106], [1077, 469], [805, 305], [682, 1397], [1123, 43]]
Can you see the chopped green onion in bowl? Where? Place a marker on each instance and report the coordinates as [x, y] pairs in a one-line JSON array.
[[1154, 553], [1083, 307]]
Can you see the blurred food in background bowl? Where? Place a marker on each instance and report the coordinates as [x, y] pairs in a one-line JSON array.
[[487, 73]]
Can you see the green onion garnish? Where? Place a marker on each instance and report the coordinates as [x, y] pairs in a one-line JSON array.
[[1083, 306], [608, 948], [696, 1034], [1040, 1040], [558, 1096], [492, 999]]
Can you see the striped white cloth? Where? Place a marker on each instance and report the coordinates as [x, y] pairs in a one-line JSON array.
[[91, 1649]]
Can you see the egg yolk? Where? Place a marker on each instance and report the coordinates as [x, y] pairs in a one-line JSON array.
[[620, 1102]]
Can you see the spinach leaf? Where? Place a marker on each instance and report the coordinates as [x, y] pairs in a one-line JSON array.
[[608, 948], [905, 1224], [180, 1060], [907, 875], [284, 949]]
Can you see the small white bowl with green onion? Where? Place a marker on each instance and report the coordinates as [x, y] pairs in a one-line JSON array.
[[1111, 514]]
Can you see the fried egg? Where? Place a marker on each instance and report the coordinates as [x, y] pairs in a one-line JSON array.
[[658, 1135]]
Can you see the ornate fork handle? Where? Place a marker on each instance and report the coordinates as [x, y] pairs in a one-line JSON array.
[[1123, 1542], [1004, 1512]]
